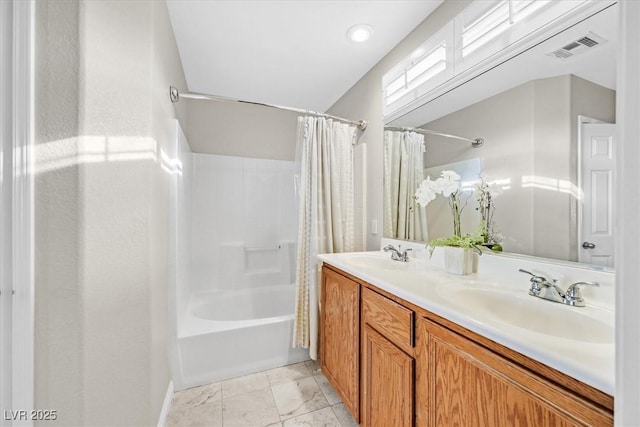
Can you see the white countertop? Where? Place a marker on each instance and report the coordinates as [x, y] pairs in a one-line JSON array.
[[427, 285]]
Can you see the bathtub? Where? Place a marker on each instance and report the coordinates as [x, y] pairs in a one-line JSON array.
[[225, 334]]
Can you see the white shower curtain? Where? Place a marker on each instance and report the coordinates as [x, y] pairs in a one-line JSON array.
[[326, 214], [404, 171]]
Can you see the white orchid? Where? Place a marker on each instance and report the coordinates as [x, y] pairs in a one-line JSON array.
[[426, 192], [486, 191], [448, 185], [450, 175]]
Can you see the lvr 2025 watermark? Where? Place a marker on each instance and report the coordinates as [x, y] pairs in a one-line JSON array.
[[30, 415]]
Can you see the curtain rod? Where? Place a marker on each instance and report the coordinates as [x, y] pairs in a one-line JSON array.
[[475, 143], [175, 96]]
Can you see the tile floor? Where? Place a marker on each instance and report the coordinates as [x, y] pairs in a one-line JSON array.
[[295, 395]]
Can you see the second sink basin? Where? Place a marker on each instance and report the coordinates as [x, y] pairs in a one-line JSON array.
[[530, 313]]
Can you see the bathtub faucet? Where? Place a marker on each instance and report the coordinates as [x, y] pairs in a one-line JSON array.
[[396, 255]]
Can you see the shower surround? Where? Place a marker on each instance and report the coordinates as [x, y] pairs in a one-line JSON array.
[[236, 303]]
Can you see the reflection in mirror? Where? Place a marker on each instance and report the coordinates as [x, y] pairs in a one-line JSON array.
[[403, 173], [549, 147]]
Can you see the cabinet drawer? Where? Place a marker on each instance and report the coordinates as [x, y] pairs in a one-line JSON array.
[[388, 317]]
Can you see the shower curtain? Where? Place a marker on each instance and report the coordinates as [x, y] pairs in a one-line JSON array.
[[326, 215], [404, 171]]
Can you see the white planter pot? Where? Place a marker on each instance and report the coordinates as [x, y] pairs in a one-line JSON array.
[[460, 260]]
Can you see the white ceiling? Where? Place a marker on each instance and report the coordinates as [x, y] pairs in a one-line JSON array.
[[293, 53]]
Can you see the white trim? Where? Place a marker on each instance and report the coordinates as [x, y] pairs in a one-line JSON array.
[[627, 410], [363, 179], [166, 405], [23, 254], [6, 148]]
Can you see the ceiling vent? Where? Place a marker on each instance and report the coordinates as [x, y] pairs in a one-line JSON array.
[[578, 46]]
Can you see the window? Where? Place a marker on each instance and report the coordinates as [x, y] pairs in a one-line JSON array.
[[482, 30], [417, 73], [427, 67], [487, 27]]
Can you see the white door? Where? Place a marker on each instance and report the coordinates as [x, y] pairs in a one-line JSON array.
[[598, 148]]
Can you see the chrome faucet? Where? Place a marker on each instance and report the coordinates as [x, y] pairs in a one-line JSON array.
[[396, 255], [573, 296], [543, 288]]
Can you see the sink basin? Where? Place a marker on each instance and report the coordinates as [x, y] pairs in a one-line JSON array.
[[533, 314]]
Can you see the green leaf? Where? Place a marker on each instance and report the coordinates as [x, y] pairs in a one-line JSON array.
[[471, 240]]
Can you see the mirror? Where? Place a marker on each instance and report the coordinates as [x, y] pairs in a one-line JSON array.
[[547, 118]]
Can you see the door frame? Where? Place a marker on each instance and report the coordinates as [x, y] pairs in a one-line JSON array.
[[18, 253], [6, 147], [627, 396]]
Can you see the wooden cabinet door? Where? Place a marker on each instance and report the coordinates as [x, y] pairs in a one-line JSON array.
[[340, 337], [387, 382], [464, 384]]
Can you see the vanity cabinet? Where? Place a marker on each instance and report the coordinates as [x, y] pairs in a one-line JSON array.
[[465, 384], [387, 382], [397, 364], [388, 366], [340, 337]]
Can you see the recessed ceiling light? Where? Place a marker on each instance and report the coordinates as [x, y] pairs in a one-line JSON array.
[[360, 33]]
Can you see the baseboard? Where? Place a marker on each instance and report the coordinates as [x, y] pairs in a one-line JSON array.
[[166, 405]]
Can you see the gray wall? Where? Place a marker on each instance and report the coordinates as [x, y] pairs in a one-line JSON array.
[[58, 296], [240, 130], [364, 101], [103, 122]]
